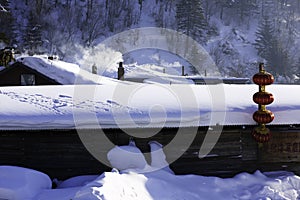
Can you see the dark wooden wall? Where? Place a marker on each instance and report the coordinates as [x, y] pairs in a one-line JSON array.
[[11, 76], [61, 154]]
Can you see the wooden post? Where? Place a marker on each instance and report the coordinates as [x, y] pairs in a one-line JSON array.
[[182, 70], [121, 71]]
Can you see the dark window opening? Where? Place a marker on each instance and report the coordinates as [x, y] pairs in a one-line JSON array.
[[27, 79]]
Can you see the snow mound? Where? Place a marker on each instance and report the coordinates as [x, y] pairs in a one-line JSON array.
[[126, 157], [160, 185], [17, 183], [77, 181], [130, 158]]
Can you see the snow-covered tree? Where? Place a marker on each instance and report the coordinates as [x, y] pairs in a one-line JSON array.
[[271, 49], [164, 14], [237, 11], [64, 25], [121, 14], [93, 25], [276, 36], [265, 36], [6, 22], [33, 36], [191, 20]]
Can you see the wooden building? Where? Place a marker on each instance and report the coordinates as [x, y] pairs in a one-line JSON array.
[[61, 154], [19, 74], [65, 130], [43, 136]]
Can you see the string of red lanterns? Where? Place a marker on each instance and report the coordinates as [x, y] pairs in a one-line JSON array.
[[262, 116]]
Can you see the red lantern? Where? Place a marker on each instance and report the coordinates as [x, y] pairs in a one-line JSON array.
[[263, 116], [263, 98], [261, 136], [263, 78]]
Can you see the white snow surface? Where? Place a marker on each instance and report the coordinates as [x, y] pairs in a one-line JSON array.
[[125, 105], [161, 185], [21, 183]]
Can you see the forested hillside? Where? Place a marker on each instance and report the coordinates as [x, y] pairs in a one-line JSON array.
[[236, 33]]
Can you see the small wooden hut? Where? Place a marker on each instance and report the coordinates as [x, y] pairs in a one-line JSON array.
[[19, 74]]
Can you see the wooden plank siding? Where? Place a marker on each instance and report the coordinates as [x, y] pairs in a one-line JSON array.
[[61, 154]]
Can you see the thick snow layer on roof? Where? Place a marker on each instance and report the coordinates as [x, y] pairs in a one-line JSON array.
[[63, 72], [141, 105]]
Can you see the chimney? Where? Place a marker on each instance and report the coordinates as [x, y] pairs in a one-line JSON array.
[[94, 69], [121, 71]]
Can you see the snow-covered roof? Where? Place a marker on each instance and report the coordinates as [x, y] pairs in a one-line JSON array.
[[63, 72], [140, 105]]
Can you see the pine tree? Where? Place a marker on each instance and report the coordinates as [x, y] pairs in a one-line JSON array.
[[279, 59], [121, 14], [271, 49], [191, 20], [4, 6], [273, 40], [33, 37], [296, 69], [267, 6], [6, 20], [265, 36], [246, 9]]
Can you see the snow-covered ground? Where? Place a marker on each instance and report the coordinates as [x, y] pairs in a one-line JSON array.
[[233, 49], [131, 180]]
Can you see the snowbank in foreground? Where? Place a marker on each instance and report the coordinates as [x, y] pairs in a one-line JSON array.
[[161, 185], [135, 179], [21, 183], [157, 185]]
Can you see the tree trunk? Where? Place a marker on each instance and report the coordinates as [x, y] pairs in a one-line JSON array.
[[221, 13]]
